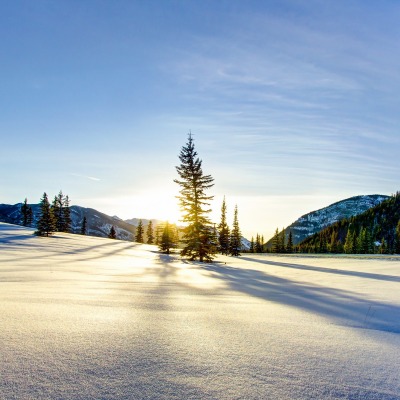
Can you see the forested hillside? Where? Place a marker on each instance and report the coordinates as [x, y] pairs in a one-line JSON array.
[[375, 231]]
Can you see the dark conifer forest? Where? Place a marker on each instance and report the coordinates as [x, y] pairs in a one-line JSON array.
[[375, 231]]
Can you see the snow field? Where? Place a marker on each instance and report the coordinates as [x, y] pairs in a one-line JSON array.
[[92, 318]]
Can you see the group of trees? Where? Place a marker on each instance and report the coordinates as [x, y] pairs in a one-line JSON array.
[[375, 231], [200, 238], [229, 241], [54, 217]]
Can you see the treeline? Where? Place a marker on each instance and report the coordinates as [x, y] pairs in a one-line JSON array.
[[375, 231]]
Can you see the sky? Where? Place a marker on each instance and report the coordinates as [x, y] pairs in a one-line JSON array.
[[293, 105]]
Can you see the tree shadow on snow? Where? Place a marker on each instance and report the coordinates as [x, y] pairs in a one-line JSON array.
[[359, 274], [343, 306]]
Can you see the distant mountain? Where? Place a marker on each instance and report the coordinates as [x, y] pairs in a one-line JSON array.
[[98, 223], [313, 222], [376, 230]]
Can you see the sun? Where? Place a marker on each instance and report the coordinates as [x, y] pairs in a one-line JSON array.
[[161, 205]]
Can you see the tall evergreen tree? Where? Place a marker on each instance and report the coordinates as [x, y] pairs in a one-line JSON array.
[[84, 226], [139, 232], [223, 231], [236, 237], [113, 233], [46, 222], [149, 233], [197, 235]]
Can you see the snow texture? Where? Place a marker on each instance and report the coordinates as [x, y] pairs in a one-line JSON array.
[[93, 318]]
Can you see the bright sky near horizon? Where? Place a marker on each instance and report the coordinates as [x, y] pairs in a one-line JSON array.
[[293, 104]]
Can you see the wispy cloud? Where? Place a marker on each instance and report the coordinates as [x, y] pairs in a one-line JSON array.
[[91, 178]]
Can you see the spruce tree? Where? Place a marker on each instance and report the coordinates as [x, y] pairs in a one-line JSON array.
[[193, 201], [236, 238], [252, 246], [223, 231], [149, 233], [289, 246], [139, 232], [46, 222], [30, 216], [25, 212], [84, 226], [276, 242], [113, 233], [397, 249], [57, 208], [168, 238], [66, 215]]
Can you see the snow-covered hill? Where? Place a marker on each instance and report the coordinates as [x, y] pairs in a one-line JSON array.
[[315, 221], [92, 318]]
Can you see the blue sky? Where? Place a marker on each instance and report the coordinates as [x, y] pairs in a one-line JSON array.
[[293, 104]]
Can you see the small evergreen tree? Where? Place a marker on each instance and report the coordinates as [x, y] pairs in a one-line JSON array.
[[289, 246], [197, 235], [276, 242], [25, 212], [149, 233], [252, 246], [66, 215], [235, 243], [113, 233], [168, 238], [46, 222], [30, 217], [397, 249], [223, 231], [139, 232], [84, 226]]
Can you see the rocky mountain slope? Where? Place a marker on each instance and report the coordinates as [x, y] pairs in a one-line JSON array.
[[98, 223], [315, 221]]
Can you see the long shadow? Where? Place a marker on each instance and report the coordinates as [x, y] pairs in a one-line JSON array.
[[359, 274], [340, 305]]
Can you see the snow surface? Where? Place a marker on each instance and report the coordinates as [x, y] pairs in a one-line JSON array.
[[93, 318]]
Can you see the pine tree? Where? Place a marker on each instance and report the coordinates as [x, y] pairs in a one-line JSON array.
[[235, 242], [61, 212], [149, 233], [168, 238], [66, 215], [197, 235], [252, 246], [113, 233], [139, 232], [282, 245], [84, 226], [397, 249], [57, 208], [289, 246], [46, 222], [276, 242], [30, 216], [223, 231], [25, 212]]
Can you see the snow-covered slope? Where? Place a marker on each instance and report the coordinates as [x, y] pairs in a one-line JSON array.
[[92, 318], [315, 221]]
